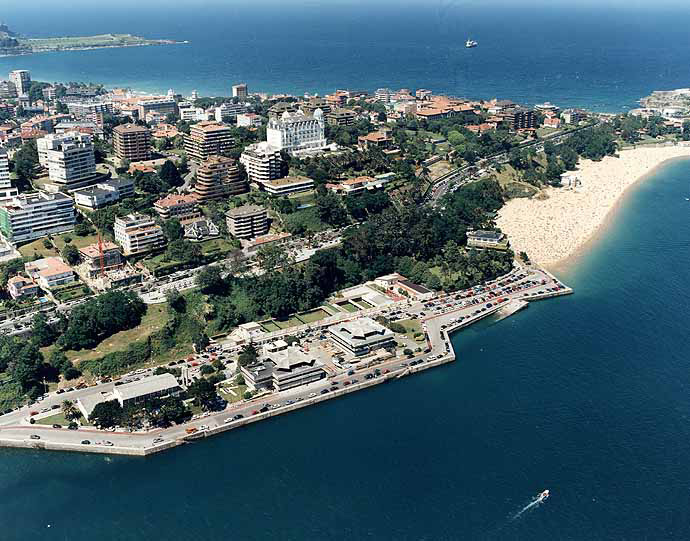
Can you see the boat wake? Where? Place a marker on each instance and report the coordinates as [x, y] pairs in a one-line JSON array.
[[541, 498]]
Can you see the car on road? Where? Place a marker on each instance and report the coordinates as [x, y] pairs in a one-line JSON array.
[[324, 391], [191, 430], [57, 426], [108, 443], [85, 442], [158, 440], [312, 395], [35, 437]]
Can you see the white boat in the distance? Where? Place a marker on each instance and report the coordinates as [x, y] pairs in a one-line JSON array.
[[470, 43], [542, 496]]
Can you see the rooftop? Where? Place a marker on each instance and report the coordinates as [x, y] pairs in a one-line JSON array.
[[286, 181], [130, 128], [174, 200], [146, 386], [246, 210], [93, 251], [48, 266]]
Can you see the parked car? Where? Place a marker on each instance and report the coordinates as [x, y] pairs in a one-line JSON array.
[[57, 426], [85, 442], [35, 437]]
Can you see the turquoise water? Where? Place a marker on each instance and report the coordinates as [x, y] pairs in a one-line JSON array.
[[603, 58], [587, 396]]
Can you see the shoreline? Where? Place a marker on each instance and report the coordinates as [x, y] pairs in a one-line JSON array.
[[578, 219]]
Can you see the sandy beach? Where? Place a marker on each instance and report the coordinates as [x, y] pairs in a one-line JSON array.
[[555, 227]]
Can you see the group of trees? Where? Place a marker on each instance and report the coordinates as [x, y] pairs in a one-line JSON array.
[[160, 412]]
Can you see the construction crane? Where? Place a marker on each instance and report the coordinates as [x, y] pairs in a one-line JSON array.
[[100, 254]]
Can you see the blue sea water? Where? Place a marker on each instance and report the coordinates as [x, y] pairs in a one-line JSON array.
[[596, 56], [586, 395]]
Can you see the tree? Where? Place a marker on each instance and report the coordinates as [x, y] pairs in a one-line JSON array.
[[69, 410], [204, 393], [172, 229], [330, 209], [83, 229], [176, 301], [26, 165], [170, 175], [107, 414], [70, 253], [42, 333], [183, 251], [248, 355], [60, 362], [210, 280], [686, 130]]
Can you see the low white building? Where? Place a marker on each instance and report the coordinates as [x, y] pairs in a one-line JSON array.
[[249, 120], [103, 193], [287, 185], [50, 272], [361, 336], [146, 388]]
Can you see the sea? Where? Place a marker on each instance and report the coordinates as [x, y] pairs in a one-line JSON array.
[[600, 55], [586, 395]]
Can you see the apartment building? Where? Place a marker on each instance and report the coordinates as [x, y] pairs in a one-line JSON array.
[[21, 79], [104, 193], [6, 190], [138, 234], [341, 117], [218, 177], [86, 109], [247, 222], [287, 185], [27, 217], [262, 162], [297, 132], [207, 139], [228, 111], [50, 272], [361, 336], [240, 91], [180, 206], [164, 106], [69, 158], [248, 120], [132, 142]]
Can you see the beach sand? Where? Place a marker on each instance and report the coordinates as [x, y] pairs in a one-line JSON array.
[[554, 228]]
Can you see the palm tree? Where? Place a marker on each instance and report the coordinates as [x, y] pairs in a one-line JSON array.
[[70, 410]]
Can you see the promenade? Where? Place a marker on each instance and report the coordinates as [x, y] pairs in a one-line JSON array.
[[439, 318]]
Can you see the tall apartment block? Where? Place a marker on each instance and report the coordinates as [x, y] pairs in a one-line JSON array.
[[132, 142], [262, 162], [207, 139], [31, 216], [21, 79], [6, 189], [69, 158], [138, 234], [247, 222], [240, 91], [218, 177]]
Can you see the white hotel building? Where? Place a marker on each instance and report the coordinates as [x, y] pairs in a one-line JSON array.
[[69, 158], [297, 132], [138, 234]]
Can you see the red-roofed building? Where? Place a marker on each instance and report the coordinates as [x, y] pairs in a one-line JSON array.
[[182, 207]]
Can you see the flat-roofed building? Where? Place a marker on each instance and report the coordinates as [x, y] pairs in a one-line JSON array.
[[206, 139], [487, 239], [262, 162], [248, 120], [228, 111], [180, 206], [218, 177], [27, 217], [247, 221], [357, 185], [6, 189], [91, 258], [341, 117], [138, 234], [69, 158], [240, 91], [87, 108], [21, 79], [361, 336], [287, 185], [312, 104], [50, 272], [104, 193], [132, 142], [146, 389], [158, 105]]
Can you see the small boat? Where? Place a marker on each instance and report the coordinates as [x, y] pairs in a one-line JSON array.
[[542, 496], [470, 43]]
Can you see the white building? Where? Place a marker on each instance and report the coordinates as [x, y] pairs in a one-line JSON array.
[[21, 79], [247, 221], [383, 94], [361, 336], [262, 162], [6, 189], [138, 234], [229, 110], [69, 158], [287, 185], [297, 132], [240, 91], [193, 114], [146, 388], [85, 109], [31, 216], [248, 120], [103, 193], [50, 272]]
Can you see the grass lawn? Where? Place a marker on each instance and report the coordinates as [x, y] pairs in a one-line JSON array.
[[269, 326], [331, 308], [238, 391], [216, 246], [347, 306], [77, 241], [71, 292], [313, 315], [286, 324], [154, 320], [37, 248], [412, 326], [57, 419], [10, 395]]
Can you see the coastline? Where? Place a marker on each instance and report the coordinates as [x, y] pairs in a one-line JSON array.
[[556, 231]]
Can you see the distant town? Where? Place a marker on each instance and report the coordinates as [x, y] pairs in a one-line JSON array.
[[176, 266]]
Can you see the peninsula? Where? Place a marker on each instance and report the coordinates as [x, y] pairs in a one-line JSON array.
[[11, 44]]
